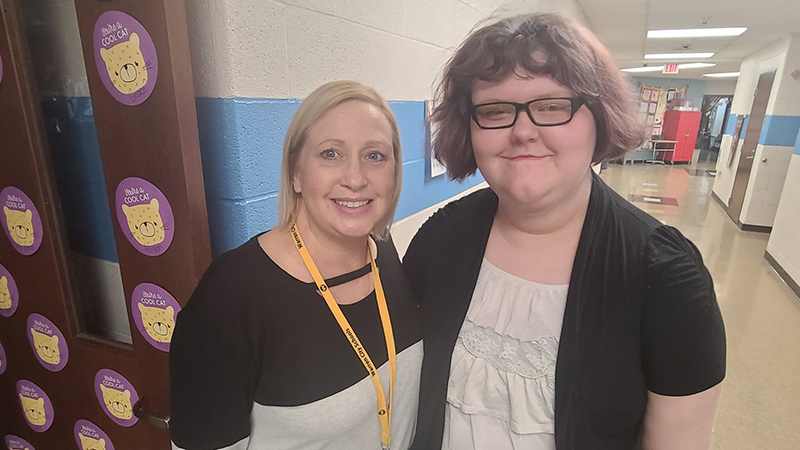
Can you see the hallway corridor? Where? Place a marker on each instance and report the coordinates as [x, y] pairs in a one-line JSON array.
[[760, 403]]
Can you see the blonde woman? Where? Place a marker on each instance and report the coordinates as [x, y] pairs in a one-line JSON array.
[[306, 337]]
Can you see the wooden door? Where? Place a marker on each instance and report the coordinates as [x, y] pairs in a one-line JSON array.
[[757, 114], [106, 185]]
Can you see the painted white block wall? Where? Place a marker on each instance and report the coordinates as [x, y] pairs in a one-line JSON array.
[[285, 49], [765, 184], [781, 56], [784, 241]]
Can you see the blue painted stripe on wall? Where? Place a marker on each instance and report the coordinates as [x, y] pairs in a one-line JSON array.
[[730, 127], [242, 142], [797, 144], [779, 130]]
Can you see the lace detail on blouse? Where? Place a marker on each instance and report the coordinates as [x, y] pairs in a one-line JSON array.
[[529, 359]]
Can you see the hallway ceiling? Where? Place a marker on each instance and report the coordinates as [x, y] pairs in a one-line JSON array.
[[622, 25]]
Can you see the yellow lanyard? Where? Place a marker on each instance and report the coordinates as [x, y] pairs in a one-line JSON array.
[[384, 410]]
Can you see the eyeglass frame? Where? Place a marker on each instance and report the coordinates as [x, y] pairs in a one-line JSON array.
[[576, 103]]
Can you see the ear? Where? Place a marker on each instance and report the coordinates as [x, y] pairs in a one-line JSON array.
[[28, 214], [55, 339], [125, 209], [40, 401], [34, 332], [102, 441], [6, 210], [103, 389], [171, 311], [3, 281], [296, 183], [127, 394], [21, 397], [103, 53], [142, 308], [154, 204], [135, 39]]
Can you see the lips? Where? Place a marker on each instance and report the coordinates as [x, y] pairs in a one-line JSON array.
[[352, 203], [527, 157]]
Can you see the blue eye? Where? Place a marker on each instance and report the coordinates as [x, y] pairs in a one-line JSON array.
[[376, 156], [329, 153]]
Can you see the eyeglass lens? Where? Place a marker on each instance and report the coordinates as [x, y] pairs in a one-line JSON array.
[[544, 112]]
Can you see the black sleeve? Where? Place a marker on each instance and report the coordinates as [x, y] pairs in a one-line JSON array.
[[683, 337], [211, 366]]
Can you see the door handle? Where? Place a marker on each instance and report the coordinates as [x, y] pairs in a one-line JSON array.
[[152, 419], [749, 157]]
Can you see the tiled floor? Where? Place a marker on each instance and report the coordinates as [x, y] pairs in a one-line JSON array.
[[760, 404]]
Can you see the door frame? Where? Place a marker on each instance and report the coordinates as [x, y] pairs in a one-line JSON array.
[[156, 140], [758, 112]]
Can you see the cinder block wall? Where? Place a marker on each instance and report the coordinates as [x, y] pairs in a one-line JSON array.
[[254, 60]]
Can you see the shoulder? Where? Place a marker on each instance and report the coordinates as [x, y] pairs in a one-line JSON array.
[[458, 215], [228, 282]]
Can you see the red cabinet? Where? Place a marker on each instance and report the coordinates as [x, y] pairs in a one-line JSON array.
[[681, 126]]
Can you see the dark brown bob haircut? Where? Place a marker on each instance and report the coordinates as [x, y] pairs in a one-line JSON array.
[[541, 43]]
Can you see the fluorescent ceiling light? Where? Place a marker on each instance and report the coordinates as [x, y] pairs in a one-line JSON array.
[[696, 32], [661, 68], [722, 75], [695, 65], [644, 69], [677, 55]]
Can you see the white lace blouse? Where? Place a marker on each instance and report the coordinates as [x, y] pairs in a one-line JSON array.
[[501, 392]]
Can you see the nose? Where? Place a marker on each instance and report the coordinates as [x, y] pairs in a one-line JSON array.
[[524, 129], [354, 176]]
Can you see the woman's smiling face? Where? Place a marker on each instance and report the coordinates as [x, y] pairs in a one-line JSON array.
[[346, 170], [530, 164]]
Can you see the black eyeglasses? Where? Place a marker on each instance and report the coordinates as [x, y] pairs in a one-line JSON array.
[[544, 112]]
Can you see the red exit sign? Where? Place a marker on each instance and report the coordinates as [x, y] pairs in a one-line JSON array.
[[670, 68]]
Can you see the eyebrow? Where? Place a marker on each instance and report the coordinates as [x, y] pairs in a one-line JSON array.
[[538, 97], [371, 143]]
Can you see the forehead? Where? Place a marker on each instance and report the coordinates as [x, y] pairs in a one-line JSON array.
[[518, 87], [353, 120]]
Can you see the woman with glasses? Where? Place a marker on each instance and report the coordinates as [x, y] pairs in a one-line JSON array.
[[555, 314]]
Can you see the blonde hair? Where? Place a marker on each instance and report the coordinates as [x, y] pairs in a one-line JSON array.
[[319, 102]]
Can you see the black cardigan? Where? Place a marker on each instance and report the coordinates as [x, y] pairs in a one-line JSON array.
[[641, 315]]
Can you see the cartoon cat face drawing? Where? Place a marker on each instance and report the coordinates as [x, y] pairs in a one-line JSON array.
[[118, 402], [34, 410], [145, 223], [5, 294], [125, 65], [20, 226], [88, 443], [158, 322], [46, 347]]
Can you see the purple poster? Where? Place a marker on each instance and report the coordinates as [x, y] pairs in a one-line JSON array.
[[47, 342], [89, 436], [117, 396], [9, 296], [21, 221], [3, 361], [154, 311], [144, 215], [17, 443], [35, 405], [125, 57]]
